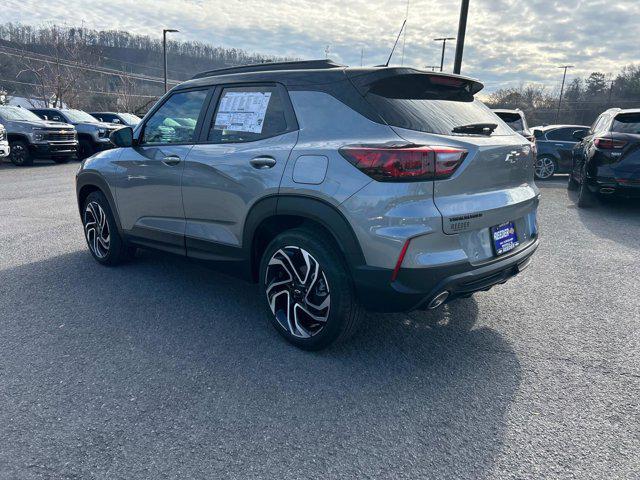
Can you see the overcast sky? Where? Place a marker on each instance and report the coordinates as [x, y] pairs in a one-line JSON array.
[[508, 41]]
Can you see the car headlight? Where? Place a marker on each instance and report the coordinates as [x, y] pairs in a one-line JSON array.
[[38, 134]]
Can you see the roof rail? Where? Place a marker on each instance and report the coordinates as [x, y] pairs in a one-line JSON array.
[[268, 67]]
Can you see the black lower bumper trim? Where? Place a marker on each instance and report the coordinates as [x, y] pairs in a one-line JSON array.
[[415, 287]]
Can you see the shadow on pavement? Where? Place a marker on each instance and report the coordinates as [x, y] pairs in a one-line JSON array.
[[162, 365]]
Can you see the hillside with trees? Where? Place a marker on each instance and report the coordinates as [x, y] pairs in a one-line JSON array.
[[583, 100], [93, 69]]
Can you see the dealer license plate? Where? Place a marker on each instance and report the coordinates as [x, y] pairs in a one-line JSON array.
[[504, 238]]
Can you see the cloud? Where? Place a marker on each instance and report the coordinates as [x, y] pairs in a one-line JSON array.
[[508, 41]]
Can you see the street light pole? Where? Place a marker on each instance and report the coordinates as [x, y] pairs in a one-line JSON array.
[[444, 46], [164, 52], [564, 77], [462, 30]]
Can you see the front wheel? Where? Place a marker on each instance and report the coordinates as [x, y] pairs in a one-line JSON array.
[[545, 168], [19, 154], [307, 290], [101, 232]]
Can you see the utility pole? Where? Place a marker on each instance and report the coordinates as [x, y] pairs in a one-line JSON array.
[[361, 56], [462, 30], [564, 77], [444, 45], [164, 52]]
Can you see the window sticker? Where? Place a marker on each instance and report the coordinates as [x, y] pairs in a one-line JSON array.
[[242, 111]]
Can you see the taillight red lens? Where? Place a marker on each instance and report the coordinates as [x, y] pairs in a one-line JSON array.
[[609, 144], [405, 164]]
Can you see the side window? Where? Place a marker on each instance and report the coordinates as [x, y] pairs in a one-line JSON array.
[[246, 114], [175, 121], [561, 135]]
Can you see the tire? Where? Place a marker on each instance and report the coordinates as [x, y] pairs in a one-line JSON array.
[[105, 243], [85, 149], [20, 155], [545, 167], [325, 305], [572, 185], [60, 160], [586, 198]]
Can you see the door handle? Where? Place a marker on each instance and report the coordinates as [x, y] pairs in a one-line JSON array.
[[171, 160], [262, 162]]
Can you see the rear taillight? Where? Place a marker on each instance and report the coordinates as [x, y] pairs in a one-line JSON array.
[[609, 144], [405, 164]]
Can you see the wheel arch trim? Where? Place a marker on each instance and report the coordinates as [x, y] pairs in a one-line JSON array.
[[96, 182]]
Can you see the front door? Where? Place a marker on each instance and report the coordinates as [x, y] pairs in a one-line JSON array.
[[149, 174], [247, 138]]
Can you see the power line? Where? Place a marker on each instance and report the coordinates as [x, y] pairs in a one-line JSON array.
[[81, 66], [101, 92]]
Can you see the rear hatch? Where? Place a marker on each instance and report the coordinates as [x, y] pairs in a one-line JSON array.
[[494, 182], [624, 151]]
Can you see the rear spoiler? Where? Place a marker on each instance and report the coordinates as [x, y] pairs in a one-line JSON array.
[[367, 81]]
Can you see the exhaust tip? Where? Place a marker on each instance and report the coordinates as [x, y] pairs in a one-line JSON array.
[[438, 300], [607, 190]]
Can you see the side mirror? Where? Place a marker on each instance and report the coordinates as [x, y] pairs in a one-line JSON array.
[[579, 134], [44, 117], [123, 137]]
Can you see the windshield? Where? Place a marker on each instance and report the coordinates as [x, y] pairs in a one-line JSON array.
[[626, 123], [514, 120], [79, 116], [16, 113], [130, 118], [414, 102]]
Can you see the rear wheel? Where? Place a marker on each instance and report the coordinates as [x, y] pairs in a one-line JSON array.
[[572, 185], [586, 198], [20, 154], [545, 167], [101, 232], [307, 290]]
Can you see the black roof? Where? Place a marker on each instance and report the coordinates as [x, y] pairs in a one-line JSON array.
[[310, 72]]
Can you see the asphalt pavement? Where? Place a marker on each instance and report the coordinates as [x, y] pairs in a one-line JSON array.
[[165, 369]]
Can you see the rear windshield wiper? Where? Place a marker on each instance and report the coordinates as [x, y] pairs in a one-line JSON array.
[[477, 128]]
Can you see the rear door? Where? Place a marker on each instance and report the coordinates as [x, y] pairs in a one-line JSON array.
[[563, 142], [248, 135], [149, 174]]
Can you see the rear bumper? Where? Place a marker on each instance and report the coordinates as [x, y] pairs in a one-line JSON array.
[[66, 149], [620, 187], [414, 288]]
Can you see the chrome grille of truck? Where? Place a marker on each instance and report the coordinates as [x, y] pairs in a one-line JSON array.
[[59, 136]]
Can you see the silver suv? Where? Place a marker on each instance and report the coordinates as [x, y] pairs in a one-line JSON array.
[[336, 189]]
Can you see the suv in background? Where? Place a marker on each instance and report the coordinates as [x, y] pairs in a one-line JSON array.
[[517, 121], [555, 148], [31, 137], [128, 119], [336, 189], [607, 159], [93, 135], [4, 143]]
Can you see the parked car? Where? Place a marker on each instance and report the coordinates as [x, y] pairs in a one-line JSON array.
[[516, 120], [4, 143], [336, 189], [117, 117], [31, 137], [93, 135], [555, 148], [607, 159]]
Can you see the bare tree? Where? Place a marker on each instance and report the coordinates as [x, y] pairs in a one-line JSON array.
[[58, 75]]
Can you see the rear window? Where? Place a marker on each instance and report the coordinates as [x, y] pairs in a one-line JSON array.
[[626, 123], [514, 120], [416, 103]]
